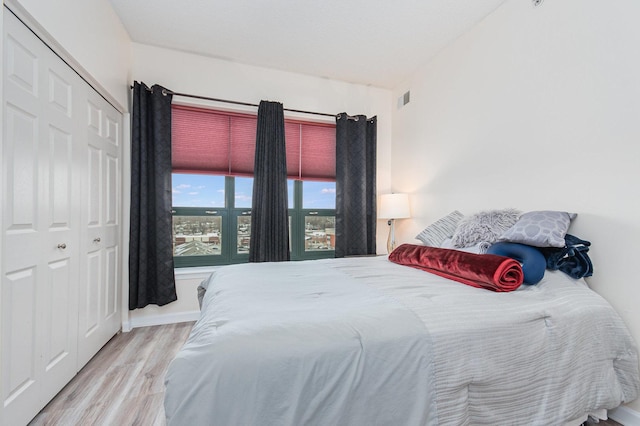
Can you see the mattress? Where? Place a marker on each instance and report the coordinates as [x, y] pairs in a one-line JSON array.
[[365, 341]]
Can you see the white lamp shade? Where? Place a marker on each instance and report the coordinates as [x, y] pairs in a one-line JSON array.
[[394, 206]]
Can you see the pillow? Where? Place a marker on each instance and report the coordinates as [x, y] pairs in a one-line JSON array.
[[443, 228], [540, 229], [485, 226], [479, 248], [533, 262]]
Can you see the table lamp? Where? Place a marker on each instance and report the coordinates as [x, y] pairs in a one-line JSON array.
[[392, 207]]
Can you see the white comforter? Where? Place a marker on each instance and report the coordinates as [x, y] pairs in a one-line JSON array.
[[363, 341]]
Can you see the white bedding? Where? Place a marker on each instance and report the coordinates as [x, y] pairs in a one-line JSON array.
[[363, 341]]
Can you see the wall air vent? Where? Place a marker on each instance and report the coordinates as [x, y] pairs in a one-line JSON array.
[[404, 99]]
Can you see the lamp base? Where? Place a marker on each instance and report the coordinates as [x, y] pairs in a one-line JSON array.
[[391, 239]]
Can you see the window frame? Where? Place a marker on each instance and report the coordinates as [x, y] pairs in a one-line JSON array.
[[229, 216], [297, 215]]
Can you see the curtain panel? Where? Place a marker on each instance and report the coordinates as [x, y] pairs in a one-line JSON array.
[[151, 274], [356, 139], [269, 211]]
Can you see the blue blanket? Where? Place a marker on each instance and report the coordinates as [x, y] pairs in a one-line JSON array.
[[532, 261], [572, 259]]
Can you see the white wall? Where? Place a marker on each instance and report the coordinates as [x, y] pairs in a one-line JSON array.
[[535, 108], [199, 75], [94, 36]]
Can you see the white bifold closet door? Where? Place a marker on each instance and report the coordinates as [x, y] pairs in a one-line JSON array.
[[60, 288], [99, 287]]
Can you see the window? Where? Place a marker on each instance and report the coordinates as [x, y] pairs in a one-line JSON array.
[[312, 220], [198, 201], [213, 154]]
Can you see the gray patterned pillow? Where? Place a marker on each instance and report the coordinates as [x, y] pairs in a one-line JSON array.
[[443, 228], [484, 227], [540, 229]]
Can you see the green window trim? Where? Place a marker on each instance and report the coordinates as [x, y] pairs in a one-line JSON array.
[[305, 242]]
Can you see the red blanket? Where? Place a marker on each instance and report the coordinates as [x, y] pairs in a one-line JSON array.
[[489, 271]]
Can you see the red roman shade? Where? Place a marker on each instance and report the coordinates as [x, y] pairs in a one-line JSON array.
[[213, 142], [220, 142], [318, 152]]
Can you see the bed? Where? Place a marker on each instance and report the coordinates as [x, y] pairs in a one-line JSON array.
[[365, 341]]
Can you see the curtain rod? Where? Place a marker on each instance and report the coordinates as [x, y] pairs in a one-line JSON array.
[[186, 95]]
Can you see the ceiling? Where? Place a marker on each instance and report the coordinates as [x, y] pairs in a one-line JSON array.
[[371, 42]]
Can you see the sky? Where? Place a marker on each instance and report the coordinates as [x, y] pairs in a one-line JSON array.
[[208, 191]]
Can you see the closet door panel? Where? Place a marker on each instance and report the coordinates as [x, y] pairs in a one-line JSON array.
[[41, 224], [21, 162], [20, 365], [59, 275], [90, 300], [21, 62], [94, 192], [59, 352], [100, 287], [110, 237], [112, 193], [23, 165], [61, 224], [61, 98], [111, 300], [60, 178], [21, 149], [111, 146], [22, 156], [60, 91], [92, 286]]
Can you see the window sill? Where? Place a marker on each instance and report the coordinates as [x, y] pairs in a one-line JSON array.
[[194, 272]]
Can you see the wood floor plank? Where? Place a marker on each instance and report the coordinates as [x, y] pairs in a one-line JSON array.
[[123, 384], [141, 410]]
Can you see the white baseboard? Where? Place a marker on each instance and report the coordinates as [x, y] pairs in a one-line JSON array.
[[625, 415], [151, 320]]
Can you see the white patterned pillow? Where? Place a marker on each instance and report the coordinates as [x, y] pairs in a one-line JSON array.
[[540, 229], [443, 228], [484, 227]]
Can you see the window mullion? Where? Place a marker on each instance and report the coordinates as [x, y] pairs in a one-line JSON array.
[[230, 240], [297, 231]]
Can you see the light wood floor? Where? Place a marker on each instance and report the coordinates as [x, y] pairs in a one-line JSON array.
[[123, 384]]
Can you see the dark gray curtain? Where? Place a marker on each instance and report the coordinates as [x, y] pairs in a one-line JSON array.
[[269, 210], [151, 278], [355, 185]]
